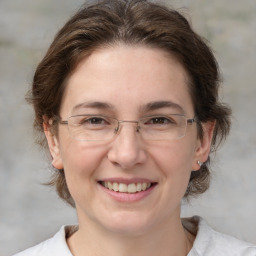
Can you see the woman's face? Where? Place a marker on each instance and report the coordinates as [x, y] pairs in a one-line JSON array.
[[127, 83]]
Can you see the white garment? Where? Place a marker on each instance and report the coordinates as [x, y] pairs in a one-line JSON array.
[[207, 243]]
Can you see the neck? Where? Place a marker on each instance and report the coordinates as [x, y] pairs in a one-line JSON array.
[[170, 237]]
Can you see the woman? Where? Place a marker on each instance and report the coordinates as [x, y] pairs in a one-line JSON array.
[[127, 98]]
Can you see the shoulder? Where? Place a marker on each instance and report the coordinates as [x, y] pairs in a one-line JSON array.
[[56, 246], [209, 242]]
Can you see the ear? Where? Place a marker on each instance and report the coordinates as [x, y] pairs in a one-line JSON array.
[[53, 144], [204, 144]]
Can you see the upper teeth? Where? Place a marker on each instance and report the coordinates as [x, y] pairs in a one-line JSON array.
[[126, 188]]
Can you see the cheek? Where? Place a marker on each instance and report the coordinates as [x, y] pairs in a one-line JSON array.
[[81, 160], [174, 159]]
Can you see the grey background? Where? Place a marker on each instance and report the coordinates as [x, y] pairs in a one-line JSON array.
[[31, 212]]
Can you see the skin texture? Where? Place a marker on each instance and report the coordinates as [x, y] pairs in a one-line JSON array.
[[127, 79]]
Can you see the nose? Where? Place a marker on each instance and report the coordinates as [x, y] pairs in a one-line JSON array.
[[127, 149]]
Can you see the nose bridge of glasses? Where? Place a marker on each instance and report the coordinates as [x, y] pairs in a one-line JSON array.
[[117, 129]]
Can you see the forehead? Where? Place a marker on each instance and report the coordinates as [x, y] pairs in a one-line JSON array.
[[127, 77]]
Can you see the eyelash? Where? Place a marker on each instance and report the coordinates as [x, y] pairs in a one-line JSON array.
[[160, 120], [154, 120], [93, 120]]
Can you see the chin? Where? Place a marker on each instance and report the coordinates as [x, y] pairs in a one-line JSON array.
[[128, 223]]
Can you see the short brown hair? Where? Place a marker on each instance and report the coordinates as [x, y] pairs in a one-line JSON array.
[[132, 22]]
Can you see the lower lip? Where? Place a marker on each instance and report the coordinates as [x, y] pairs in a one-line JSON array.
[[128, 197]]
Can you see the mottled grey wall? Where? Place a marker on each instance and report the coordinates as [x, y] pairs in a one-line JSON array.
[[31, 212]]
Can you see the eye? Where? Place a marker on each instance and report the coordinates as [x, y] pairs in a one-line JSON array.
[[160, 120], [95, 120], [92, 122]]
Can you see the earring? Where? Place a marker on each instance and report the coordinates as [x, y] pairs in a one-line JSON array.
[[199, 163]]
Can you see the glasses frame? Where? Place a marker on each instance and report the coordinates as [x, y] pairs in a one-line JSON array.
[[189, 121]]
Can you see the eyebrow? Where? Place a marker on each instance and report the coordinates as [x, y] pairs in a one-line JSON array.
[[93, 104], [155, 105], [151, 106]]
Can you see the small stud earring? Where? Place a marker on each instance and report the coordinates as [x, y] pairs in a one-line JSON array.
[[199, 163]]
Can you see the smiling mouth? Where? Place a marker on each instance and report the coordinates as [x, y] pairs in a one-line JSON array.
[[126, 188]]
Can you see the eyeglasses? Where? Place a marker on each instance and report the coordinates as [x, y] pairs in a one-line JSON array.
[[104, 128]]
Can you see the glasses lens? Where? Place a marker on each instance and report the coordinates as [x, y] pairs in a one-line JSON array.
[[91, 127], [164, 127]]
